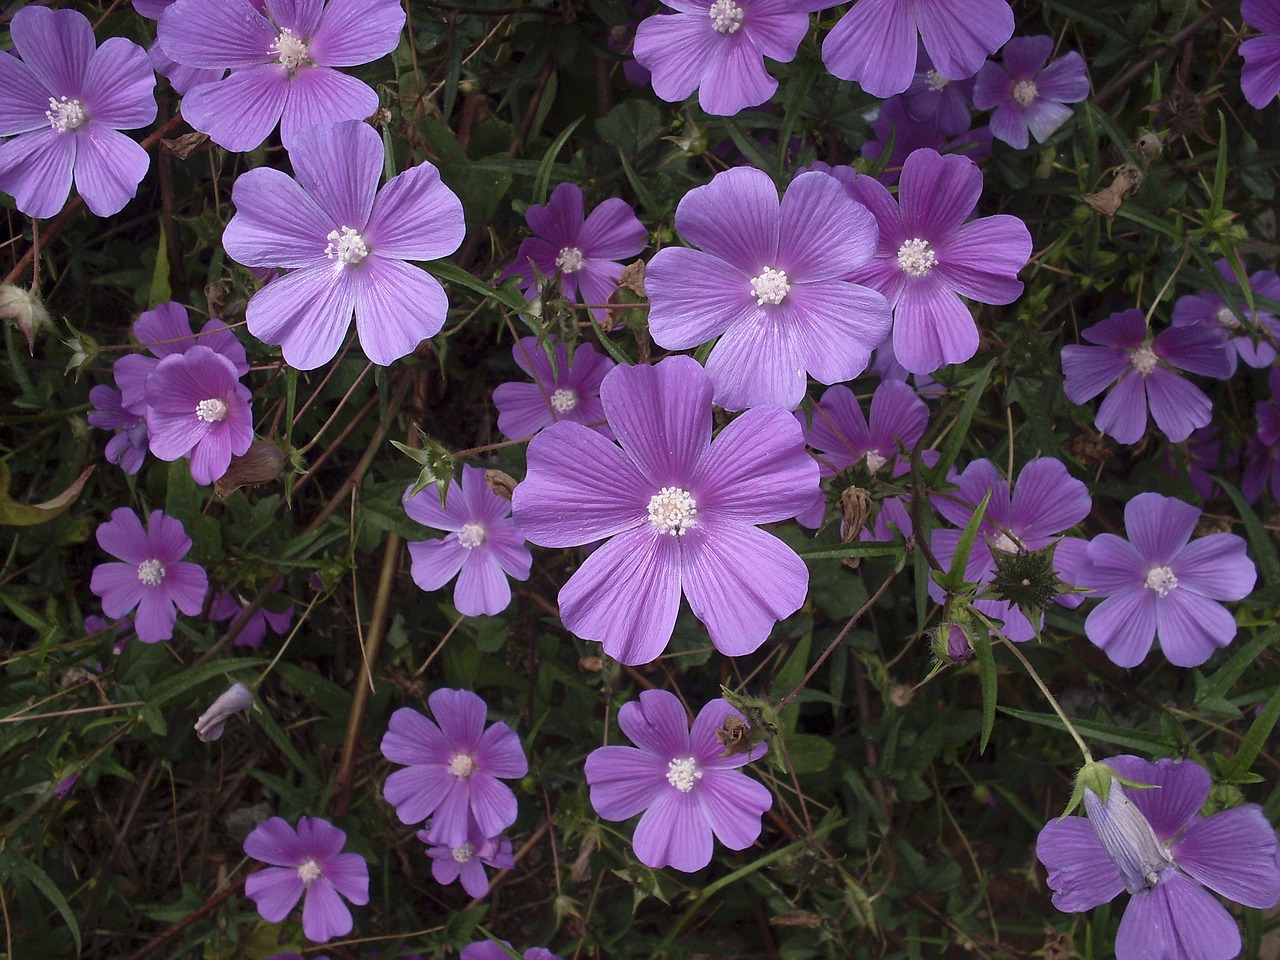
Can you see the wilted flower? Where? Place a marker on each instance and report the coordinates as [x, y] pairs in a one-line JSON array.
[[1028, 96], [128, 447], [210, 724], [24, 310]]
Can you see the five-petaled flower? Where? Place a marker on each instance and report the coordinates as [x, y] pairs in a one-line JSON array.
[[568, 391], [466, 861], [1028, 96]]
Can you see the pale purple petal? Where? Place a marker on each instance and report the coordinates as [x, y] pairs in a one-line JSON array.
[[117, 585], [932, 327], [187, 584], [436, 562], [352, 32], [657, 723], [35, 169], [758, 361], [339, 167], [761, 451], [1124, 626], [1044, 117], [981, 259], [1216, 566], [498, 752], [1090, 370], [397, 306], [275, 842], [612, 231], [461, 715], [482, 585], [417, 791], [1192, 627], [1260, 78], [276, 223], [412, 738], [734, 76], [875, 45], [1082, 874], [661, 415], [1159, 526], [24, 100], [320, 96], [1047, 499], [960, 34], [307, 312], [491, 803], [837, 325], [56, 45], [734, 217], [238, 113], [349, 874], [1123, 412], [119, 85], [415, 217], [216, 34], [936, 193], [1232, 853], [1177, 920], [1182, 787], [624, 780], [324, 915], [733, 804], [694, 296], [274, 891], [673, 833], [156, 615], [675, 49]]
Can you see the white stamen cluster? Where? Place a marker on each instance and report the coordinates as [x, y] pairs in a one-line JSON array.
[[212, 410], [309, 871], [772, 286], [569, 260], [726, 16], [683, 773], [672, 511], [291, 50], [916, 257], [461, 765], [346, 246], [564, 400], [936, 81], [1144, 360], [1227, 318], [151, 573], [1161, 580], [875, 461], [1024, 92], [472, 535], [463, 853], [66, 115]]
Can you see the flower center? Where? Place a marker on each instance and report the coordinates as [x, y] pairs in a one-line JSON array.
[[771, 286], [346, 246], [726, 16], [461, 765], [569, 260], [875, 461], [1144, 360], [936, 81], [1003, 542], [151, 573], [672, 510], [916, 257], [683, 773], [471, 536], [1161, 580], [564, 400], [65, 115], [1024, 91], [212, 410], [1227, 318], [463, 853], [310, 870], [291, 50]]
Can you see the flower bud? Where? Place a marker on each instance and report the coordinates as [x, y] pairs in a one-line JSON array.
[[24, 311], [503, 484], [211, 723], [263, 462], [1127, 837]]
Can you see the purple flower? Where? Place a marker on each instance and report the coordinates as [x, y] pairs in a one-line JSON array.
[[281, 62], [198, 408], [581, 252], [1144, 368], [1252, 341], [307, 862], [1260, 79], [842, 436], [687, 789], [453, 769], [151, 576], [211, 723], [1157, 585], [1025, 516], [678, 509], [467, 860], [482, 549], [1027, 95], [770, 280], [569, 391], [346, 243], [1155, 844], [875, 42], [65, 785], [928, 257], [64, 104], [128, 447], [488, 950], [931, 97], [227, 606], [717, 47], [895, 125], [1262, 453]]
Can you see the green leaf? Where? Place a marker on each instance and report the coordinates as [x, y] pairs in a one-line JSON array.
[[21, 867], [1214, 689], [980, 640], [630, 126], [953, 580], [1253, 741], [14, 514], [1102, 732], [168, 689], [862, 549], [1260, 543], [960, 428], [541, 181]]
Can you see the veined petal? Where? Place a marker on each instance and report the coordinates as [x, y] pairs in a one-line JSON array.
[[239, 112], [352, 32], [119, 85], [875, 45], [735, 217], [694, 296], [1178, 920], [415, 217], [216, 34], [56, 45], [624, 780], [338, 166], [397, 306], [1233, 853], [307, 312], [276, 223], [35, 169], [324, 97], [1082, 874], [760, 454], [1124, 626], [108, 168], [932, 327], [673, 832], [661, 415]]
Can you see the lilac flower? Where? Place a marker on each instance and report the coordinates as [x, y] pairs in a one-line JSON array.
[[482, 549], [346, 243], [151, 576], [1028, 96], [468, 860], [1142, 369], [227, 606], [678, 509], [198, 408], [1155, 844], [211, 723], [453, 769], [65, 785], [1157, 585], [307, 862], [281, 62], [1252, 341], [488, 950], [928, 257], [895, 125], [1260, 79], [1025, 516], [687, 789], [64, 104], [718, 48], [874, 43], [128, 447], [569, 391], [583, 253], [931, 97], [770, 282]]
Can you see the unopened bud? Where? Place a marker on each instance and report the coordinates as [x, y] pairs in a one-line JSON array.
[[24, 311], [1127, 836], [950, 643], [211, 723], [504, 485], [263, 462], [1150, 145], [591, 664]]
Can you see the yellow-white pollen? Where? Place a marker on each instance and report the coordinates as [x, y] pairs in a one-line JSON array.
[[672, 510], [875, 461], [461, 765], [212, 410], [916, 257], [472, 535], [291, 50], [726, 16], [564, 400], [683, 773], [66, 115], [1161, 580], [1024, 91], [346, 246], [309, 871], [1004, 543], [1227, 318], [771, 286], [1144, 360], [936, 81], [569, 260], [151, 573], [463, 853]]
